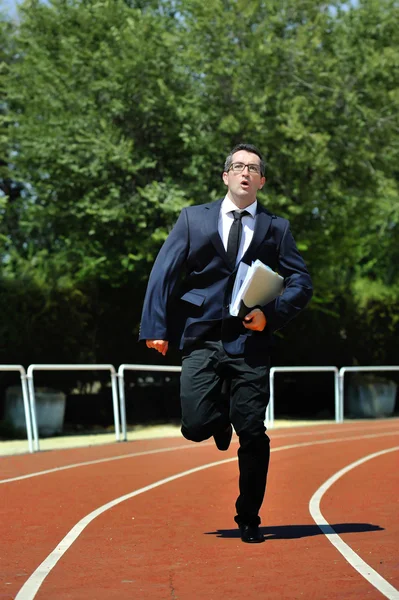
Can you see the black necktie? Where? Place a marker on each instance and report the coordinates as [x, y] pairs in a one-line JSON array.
[[233, 242]]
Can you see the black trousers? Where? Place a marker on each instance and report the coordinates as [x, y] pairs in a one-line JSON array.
[[206, 409]]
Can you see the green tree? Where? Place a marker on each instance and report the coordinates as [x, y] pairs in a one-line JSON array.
[[93, 97], [316, 86], [120, 113]]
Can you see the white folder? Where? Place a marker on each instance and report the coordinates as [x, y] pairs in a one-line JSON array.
[[255, 285]]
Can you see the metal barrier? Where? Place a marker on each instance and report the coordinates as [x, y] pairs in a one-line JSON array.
[[344, 370], [25, 398], [269, 417], [269, 422], [121, 382], [31, 386], [28, 391]]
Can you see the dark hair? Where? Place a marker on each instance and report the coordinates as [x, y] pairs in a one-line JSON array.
[[247, 148]]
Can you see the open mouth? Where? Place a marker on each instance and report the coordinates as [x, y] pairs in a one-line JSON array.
[[244, 184]]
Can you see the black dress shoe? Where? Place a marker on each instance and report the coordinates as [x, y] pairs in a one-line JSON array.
[[250, 534], [223, 438]]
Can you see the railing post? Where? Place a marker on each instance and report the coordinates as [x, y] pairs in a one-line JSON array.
[[32, 402], [122, 401], [338, 411], [341, 376], [28, 419], [115, 405]]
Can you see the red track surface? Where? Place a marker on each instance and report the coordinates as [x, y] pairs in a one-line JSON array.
[[179, 540]]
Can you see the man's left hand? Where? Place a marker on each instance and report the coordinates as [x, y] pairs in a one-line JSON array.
[[255, 320]]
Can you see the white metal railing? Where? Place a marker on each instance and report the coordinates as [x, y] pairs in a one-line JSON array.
[[339, 415], [269, 416], [344, 370], [121, 382], [25, 398], [118, 382], [71, 367]]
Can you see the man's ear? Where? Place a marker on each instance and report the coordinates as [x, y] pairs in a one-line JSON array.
[[262, 182], [225, 178]]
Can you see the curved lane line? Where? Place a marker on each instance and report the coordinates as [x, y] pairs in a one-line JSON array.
[[170, 449], [32, 585], [350, 556], [102, 460]]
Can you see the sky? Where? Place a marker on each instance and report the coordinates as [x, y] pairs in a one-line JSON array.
[[9, 7]]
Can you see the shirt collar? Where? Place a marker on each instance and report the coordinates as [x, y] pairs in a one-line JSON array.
[[227, 206]]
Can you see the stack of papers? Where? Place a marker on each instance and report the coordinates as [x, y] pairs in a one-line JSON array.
[[255, 285]]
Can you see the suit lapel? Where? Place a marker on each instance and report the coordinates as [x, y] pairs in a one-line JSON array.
[[262, 224], [212, 230]]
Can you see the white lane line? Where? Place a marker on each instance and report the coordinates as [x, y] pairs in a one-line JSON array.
[[102, 460], [32, 585], [353, 559], [173, 448]]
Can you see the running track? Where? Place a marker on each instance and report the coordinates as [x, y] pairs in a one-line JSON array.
[[168, 530]]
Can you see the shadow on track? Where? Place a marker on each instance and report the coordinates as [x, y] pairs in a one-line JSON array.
[[291, 532]]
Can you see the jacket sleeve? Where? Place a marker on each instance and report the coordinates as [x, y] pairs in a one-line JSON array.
[[163, 278], [298, 288]]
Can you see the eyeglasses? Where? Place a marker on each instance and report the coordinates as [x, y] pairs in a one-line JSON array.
[[239, 167]]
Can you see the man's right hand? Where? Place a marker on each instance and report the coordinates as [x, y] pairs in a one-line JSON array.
[[159, 345]]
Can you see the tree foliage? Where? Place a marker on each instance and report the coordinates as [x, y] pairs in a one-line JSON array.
[[118, 113]]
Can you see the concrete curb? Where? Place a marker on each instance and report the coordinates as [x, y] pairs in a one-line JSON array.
[[11, 447]]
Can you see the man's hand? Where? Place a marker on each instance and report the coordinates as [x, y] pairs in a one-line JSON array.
[[255, 320], [159, 345]]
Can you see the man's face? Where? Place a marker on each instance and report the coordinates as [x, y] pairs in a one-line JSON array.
[[244, 183]]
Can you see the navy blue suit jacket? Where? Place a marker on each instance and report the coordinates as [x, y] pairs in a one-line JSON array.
[[190, 284]]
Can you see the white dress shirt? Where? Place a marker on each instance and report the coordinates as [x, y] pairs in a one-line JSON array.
[[248, 224]]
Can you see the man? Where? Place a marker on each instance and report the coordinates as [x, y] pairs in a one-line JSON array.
[[187, 302]]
